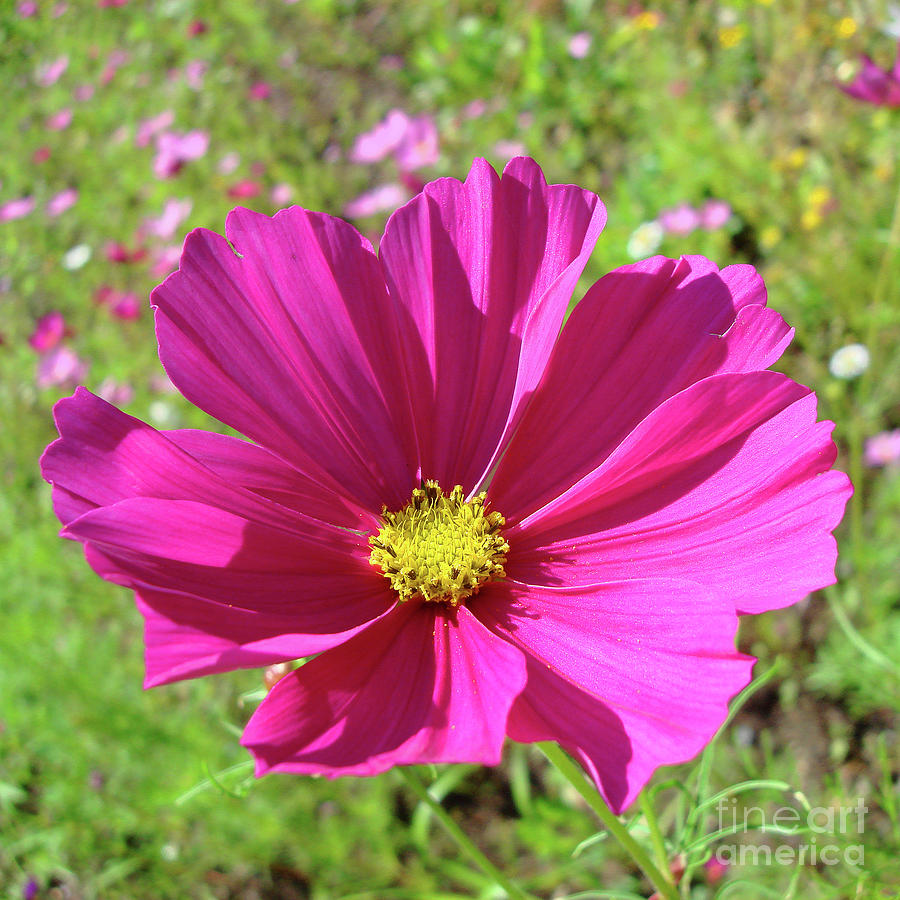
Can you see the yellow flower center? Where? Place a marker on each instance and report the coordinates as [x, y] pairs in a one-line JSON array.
[[442, 549]]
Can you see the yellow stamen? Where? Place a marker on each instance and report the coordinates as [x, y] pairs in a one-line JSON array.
[[442, 549]]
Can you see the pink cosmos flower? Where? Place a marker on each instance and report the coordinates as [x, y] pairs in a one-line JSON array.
[[580, 45], [194, 73], [173, 214], [125, 306], [165, 260], [281, 194], [874, 84], [385, 198], [48, 332], [60, 367], [61, 120], [59, 203], [714, 214], [174, 149], [228, 163], [626, 487], [148, 128], [883, 449], [260, 90], [418, 147], [682, 219], [382, 140], [243, 189], [16, 209], [51, 72]]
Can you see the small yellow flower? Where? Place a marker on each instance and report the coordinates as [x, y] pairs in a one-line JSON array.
[[647, 21], [769, 237], [819, 197], [796, 159], [810, 220], [845, 28], [732, 35]]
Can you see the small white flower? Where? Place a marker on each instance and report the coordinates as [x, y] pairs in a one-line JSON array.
[[645, 240], [161, 413], [76, 257], [849, 362]]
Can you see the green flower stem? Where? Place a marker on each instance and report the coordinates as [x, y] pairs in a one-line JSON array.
[[656, 838], [661, 881], [459, 836]]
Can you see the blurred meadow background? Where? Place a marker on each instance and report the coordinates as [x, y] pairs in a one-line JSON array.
[[706, 127]]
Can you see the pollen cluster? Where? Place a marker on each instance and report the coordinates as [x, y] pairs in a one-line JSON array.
[[442, 549]]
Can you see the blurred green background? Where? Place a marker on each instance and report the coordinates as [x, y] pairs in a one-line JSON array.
[[697, 107]]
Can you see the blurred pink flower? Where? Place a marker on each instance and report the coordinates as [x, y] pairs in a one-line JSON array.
[[116, 59], [115, 392], [83, 92], [883, 449], [245, 188], [117, 252], [418, 147], [16, 209], [379, 142], [148, 128], [385, 198], [281, 194], [681, 219], [580, 45], [126, 306], [61, 120], [174, 149], [165, 260], [194, 73], [27, 8], [474, 109], [228, 163], [197, 27], [59, 9], [50, 72], [874, 84], [260, 90], [62, 201], [714, 214], [173, 214], [507, 150], [110, 4], [48, 332], [40, 155], [61, 366]]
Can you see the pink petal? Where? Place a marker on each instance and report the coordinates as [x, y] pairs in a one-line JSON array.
[[641, 334], [418, 686], [727, 484], [485, 271], [628, 675], [185, 636], [292, 341], [104, 456], [194, 548], [255, 468]]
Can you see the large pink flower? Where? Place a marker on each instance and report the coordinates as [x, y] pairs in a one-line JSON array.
[[656, 481]]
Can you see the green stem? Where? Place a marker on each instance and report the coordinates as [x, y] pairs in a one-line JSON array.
[[656, 838], [572, 774], [459, 836]]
